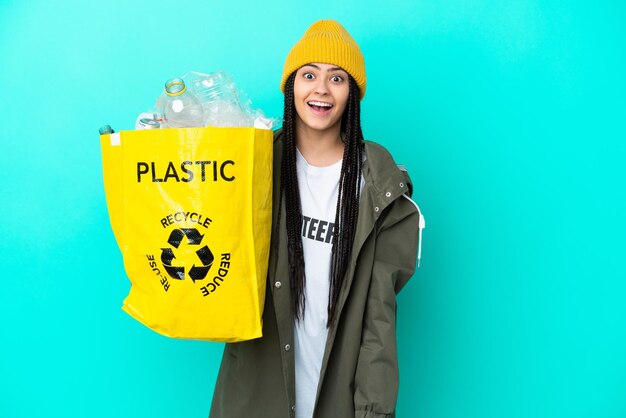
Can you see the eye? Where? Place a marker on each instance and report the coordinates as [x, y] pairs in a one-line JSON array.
[[337, 78], [308, 76]]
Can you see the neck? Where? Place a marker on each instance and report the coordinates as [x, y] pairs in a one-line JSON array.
[[319, 148]]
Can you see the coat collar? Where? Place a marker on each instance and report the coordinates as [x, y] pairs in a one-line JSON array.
[[387, 180]]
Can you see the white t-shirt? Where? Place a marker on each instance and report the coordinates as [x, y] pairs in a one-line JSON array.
[[319, 187]]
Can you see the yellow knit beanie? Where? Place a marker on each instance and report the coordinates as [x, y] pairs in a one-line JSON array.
[[326, 41]]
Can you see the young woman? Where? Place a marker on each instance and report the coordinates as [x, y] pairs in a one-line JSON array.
[[344, 242]]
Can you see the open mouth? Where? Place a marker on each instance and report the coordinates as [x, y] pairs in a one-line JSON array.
[[321, 107]]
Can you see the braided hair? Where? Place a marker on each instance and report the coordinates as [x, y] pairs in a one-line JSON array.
[[347, 201]]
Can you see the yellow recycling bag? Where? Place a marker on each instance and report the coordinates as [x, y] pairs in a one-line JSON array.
[[191, 212]]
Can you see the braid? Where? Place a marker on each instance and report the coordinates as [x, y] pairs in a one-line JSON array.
[[347, 200], [289, 186]]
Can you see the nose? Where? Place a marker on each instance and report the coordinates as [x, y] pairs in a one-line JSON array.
[[320, 87]]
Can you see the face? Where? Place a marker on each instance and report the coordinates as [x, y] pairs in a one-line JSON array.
[[321, 95]]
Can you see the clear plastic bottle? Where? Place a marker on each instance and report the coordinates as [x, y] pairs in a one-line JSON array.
[[181, 109]]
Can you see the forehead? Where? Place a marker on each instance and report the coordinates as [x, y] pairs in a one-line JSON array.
[[320, 66]]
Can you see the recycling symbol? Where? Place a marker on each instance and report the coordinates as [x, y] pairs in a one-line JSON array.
[[205, 256]]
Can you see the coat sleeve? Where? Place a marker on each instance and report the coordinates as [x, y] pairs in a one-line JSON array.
[[376, 379]]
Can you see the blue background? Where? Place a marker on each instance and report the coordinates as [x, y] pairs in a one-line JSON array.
[[509, 115]]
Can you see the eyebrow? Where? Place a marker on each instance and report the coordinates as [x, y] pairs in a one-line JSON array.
[[330, 69]]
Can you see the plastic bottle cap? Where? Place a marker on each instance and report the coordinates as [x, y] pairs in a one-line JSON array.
[[106, 129], [147, 123], [175, 87]]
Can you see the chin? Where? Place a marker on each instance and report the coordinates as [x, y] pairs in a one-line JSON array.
[[320, 126]]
